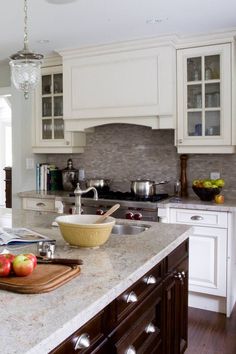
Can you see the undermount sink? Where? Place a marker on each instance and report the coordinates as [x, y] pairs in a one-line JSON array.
[[125, 229]]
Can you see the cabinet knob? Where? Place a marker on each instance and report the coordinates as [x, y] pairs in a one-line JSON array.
[[196, 217], [150, 328], [131, 297], [180, 141], [178, 276], [150, 280], [67, 142], [82, 342], [130, 350]]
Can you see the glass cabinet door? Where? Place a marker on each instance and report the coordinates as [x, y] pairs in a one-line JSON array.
[[203, 96], [52, 107]]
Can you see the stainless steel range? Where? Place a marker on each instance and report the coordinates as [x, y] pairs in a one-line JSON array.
[[131, 207]]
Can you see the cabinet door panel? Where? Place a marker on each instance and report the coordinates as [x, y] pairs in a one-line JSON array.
[[207, 268], [204, 99]]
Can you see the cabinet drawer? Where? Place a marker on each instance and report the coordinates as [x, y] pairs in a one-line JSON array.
[[132, 297], [93, 330], [142, 329], [199, 217], [41, 204]]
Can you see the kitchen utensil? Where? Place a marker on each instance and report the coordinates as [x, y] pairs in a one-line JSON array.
[[81, 230], [69, 177], [66, 261], [99, 183], [145, 188], [107, 213]]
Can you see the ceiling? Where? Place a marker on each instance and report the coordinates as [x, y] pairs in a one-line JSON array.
[[77, 23]]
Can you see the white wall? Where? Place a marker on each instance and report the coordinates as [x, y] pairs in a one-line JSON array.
[[5, 80], [22, 179]]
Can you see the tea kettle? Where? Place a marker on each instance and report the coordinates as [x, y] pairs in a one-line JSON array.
[[69, 177]]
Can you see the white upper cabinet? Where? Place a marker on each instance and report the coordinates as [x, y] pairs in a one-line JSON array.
[[49, 135], [204, 99], [120, 85]]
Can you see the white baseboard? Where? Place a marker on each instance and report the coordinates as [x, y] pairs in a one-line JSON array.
[[207, 302]]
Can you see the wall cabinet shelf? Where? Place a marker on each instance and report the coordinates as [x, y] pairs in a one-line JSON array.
[[204, 99], [49, 135]]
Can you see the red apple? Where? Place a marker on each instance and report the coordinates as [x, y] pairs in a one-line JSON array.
[[5, 266], [32, 257], [9, 256], [22, 265]]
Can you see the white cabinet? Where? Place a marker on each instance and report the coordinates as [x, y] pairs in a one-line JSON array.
[[204, 99], [207, 269], [49, 135], [39, 204], [212, 259], [207, 249], [120, 85]]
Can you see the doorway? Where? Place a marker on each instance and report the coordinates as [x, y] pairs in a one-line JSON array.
[[5, 138]]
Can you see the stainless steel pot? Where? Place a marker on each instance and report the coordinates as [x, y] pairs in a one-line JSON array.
[[145, 188], [99, 183]]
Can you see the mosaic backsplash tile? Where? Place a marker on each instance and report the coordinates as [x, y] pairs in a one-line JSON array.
[[123, 152]]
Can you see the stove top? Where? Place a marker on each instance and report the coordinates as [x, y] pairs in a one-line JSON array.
[[125, 196]]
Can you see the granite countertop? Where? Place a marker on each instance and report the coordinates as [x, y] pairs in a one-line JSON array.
[[196, 204], [192, 202], [37, 323]]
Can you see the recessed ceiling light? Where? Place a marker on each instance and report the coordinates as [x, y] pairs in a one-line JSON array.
[[155, 20]]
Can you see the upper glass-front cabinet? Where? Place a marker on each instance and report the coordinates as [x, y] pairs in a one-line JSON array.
[[49, 135], [52, 106], [204, 96]]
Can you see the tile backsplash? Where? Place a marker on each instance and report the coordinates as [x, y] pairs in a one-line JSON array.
[[122, 152]]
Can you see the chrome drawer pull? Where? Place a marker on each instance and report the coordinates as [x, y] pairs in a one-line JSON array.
[[150, 280], [150, 328], [197, 217], [130, 350], [131, 297], [40, 204], [82, 342]]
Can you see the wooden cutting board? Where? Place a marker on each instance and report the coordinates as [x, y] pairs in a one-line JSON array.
[[45, 278]]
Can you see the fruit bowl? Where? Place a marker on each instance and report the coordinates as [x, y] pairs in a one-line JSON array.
[[206, 194], [80, 230]]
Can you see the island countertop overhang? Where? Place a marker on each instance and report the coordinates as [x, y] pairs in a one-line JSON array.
[[107, 272]]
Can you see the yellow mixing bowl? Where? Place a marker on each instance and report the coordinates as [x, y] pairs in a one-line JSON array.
[[80, 230]]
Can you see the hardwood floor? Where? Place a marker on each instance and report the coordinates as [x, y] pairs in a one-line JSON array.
[[211, 333]]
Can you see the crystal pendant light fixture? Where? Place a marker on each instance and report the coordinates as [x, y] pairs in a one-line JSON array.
[[25, 65]]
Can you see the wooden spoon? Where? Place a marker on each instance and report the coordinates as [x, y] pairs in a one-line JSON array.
[[107, 213]]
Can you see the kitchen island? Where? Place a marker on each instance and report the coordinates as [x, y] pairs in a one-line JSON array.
[[38, 323]]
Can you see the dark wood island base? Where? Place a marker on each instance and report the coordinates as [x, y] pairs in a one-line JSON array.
[[149, 317]]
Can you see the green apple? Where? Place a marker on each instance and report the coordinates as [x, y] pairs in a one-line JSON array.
[[220, 182], [207, 184]]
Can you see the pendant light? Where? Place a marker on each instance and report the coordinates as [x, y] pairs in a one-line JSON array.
[[25, 65]]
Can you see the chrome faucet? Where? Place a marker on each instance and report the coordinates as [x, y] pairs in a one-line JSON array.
[[78, 193]]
